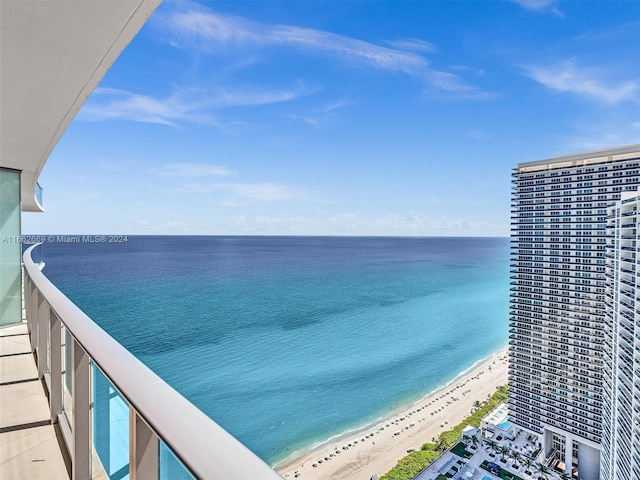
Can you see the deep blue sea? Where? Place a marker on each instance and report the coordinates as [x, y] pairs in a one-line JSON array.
[[288, 341]]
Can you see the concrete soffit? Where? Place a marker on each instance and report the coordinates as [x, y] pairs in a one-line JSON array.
[[53, 54]]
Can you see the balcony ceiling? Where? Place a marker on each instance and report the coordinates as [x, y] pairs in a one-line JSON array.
[[52, 56]]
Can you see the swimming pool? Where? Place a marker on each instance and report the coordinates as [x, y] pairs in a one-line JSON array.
[[505, 425]]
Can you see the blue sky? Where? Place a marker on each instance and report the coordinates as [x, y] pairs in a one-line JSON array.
[[341, 118]]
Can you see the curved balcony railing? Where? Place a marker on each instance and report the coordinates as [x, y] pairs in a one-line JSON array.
[[109, 404], [38, 194]]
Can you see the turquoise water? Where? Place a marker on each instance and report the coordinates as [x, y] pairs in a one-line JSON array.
[[506, 425], [288, 341]]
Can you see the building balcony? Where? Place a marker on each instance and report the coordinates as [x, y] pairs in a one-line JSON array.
[[109, 405], [631, 283]]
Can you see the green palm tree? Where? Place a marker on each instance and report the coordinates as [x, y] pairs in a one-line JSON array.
[[504, 451], [564, 476], [528, 463], [516, 456], [543, 469]]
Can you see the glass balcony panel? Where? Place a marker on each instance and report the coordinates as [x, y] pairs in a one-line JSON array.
[[170, 467], [10, 262], [110, 417], [38, 193], [67, 378], [47, 368]]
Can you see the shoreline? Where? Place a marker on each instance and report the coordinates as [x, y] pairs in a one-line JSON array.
[[291, 458], [377, 446]]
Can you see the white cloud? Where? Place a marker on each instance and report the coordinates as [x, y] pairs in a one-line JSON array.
[[252, 97], [413, 44], [348, 223], [540, 6], [279, 221], [569, 77], [420, 222], [264, 192], [337, 105], [319, 117], [191, 106], [596, 142], [190, 170], [108, 104], [147, 226], [259, 191], [600, 133], [309, 120], [455, 87], [466, 69], [199, 23], [199, 27], [477, 135], [535, 4], [602, 140]]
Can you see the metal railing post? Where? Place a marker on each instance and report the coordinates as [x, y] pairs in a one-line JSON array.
[[43, 330], [81, 459], [55, 367], [26, 289], [144, 446], [33, 318]]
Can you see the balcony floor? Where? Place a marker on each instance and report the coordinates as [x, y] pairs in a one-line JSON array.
[[29, 447]]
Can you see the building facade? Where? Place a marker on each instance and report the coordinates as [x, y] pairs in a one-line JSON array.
[[621, 387], [558, 289]]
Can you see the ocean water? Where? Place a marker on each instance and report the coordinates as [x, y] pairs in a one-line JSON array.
[[289, 341]]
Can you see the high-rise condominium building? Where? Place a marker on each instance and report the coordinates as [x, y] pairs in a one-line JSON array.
[[621, 369], [557, 321]]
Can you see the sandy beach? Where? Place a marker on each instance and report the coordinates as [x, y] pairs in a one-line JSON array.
[[377, 448]]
